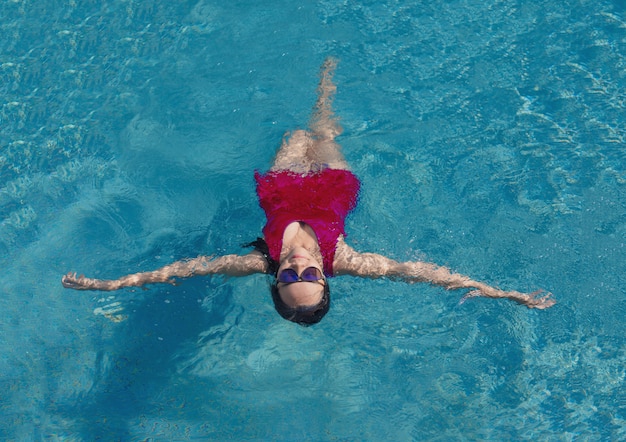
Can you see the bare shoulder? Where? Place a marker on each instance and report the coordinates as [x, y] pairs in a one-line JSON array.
[[350, 262], [344, 255], [257, 261]]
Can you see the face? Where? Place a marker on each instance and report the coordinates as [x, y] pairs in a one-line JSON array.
[[301, 293]]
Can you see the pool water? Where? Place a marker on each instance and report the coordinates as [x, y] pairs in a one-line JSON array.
[[489, 137]]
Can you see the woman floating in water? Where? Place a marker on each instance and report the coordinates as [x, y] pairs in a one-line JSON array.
[[306, 196]]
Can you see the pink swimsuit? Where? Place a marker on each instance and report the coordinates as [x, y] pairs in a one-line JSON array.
[[320, 199]]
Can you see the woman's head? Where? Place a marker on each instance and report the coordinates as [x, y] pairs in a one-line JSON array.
[[308, 299], [300, 291], [303, 314]]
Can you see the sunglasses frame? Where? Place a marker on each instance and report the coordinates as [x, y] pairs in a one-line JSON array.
[[321, 280]]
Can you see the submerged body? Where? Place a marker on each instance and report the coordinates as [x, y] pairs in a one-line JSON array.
[[306, 195]]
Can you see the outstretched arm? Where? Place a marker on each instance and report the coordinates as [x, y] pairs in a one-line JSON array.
[[370, 265], [233, 265]]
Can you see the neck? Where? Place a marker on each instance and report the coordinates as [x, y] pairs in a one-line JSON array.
[[299, 234]]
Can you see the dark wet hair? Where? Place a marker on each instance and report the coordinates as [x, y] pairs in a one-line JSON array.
[[304, 316]]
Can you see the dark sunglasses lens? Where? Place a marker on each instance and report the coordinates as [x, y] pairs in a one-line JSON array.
[[288, 276], [311, 274]]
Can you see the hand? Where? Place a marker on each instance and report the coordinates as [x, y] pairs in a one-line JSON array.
[[530, 300], [71, 281]]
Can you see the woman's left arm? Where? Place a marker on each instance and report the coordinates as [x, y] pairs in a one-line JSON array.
[[232, 265], [371, 265]]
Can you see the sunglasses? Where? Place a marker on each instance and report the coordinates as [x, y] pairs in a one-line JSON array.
[[310, 274]]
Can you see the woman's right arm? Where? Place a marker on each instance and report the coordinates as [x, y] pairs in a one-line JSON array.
[[232, 265]]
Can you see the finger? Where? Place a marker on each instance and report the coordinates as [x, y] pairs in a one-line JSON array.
[[468, 295]]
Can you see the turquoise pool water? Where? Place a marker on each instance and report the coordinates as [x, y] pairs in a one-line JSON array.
[[489, 136]]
